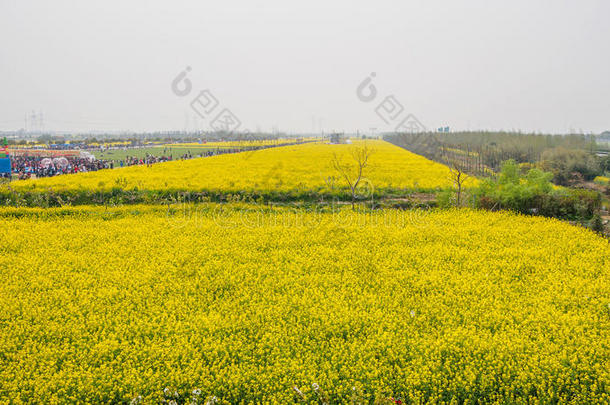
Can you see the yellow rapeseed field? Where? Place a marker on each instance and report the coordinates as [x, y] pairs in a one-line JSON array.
[[294, 170], [245, 303]]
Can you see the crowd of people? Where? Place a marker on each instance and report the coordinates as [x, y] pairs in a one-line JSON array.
[[148, 160], [28, 166]]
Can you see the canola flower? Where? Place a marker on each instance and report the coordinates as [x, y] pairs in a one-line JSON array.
[[604, 181], [112, 143], [296, 170], [259, 304]]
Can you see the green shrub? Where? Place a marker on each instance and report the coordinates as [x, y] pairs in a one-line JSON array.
[[533, 193]]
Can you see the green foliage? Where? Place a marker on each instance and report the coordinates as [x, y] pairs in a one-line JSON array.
[[568, 157], [596, 224], [570, 165], [445, 198], [533, 193], [512, 190]]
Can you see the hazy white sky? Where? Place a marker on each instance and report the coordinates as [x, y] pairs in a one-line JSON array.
[[108, 65]]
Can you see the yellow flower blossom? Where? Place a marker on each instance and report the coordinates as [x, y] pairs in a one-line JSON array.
[[245, 303], [290, 170]]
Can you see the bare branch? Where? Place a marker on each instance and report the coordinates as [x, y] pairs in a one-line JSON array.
[[457, 176], [353, 174]]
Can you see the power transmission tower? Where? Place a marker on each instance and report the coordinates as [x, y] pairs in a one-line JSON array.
[[33, 121], [40, 122]]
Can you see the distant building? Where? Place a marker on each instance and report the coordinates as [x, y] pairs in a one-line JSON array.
[[337, 138], [605, 136]]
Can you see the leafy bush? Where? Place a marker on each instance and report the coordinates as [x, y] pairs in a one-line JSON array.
[[570, 164], [533, 193]]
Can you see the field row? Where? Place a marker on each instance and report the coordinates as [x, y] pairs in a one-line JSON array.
[[298, 170], [246, 302]]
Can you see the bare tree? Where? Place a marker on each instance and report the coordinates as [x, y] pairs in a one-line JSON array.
[[458, 176], [352, 172]]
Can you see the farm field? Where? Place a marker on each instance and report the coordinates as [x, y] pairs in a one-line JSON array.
[[245, 143], [194, 148], [246, 302], [295, 171], [176, 152], [309, 203]]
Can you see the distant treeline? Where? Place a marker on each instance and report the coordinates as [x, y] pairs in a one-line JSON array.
[[568, 157], [168, 136]]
